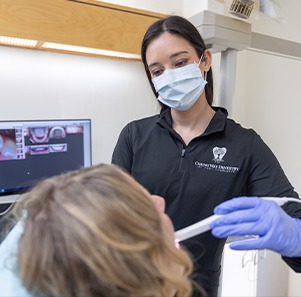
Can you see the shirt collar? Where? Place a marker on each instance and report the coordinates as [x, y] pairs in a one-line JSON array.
[[217, 123]]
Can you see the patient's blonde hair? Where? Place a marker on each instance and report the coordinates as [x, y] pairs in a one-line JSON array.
[[96, 232]]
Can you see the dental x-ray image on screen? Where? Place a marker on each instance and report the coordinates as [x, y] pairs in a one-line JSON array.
[[34, 150]]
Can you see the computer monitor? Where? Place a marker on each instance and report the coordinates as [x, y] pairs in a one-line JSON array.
[[33, 150]]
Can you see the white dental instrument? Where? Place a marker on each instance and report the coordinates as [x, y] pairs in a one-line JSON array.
[[282, 200], [195, 229], [204, 225]]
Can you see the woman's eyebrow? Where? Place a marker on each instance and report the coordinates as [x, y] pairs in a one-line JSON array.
[[177, 54], [153, 64]]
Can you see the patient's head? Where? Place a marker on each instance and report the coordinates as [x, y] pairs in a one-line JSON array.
[[97, 232]]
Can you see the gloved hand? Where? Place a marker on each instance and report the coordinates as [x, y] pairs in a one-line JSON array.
[[274, 228]]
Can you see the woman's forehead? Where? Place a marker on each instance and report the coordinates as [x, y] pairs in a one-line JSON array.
[[166, 45]]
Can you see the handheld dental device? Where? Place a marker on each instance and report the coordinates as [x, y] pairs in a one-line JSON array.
[[204, 225]]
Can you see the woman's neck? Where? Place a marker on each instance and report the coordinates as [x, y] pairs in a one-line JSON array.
[[193, 122]]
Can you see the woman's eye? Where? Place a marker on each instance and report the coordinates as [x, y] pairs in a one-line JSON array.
[[156, 72], [181, 63]]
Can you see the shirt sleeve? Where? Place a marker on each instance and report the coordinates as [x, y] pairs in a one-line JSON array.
[[266, 176], [123, 153]]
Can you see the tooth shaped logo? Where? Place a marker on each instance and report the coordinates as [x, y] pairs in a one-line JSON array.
[[218, 153]]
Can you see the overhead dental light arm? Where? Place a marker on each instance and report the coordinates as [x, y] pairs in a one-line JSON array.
[[226, 35], [229, 35]]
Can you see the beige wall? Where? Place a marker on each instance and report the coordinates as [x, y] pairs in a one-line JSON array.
[[43, 85]]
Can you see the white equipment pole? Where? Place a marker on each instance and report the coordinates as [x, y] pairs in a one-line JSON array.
[[227, 79]]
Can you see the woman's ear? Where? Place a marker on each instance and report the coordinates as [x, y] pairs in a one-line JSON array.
[[207, 60]]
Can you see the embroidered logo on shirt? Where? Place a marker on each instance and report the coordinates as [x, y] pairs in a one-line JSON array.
[[218, 153]]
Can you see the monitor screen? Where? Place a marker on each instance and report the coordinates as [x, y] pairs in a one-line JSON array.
[[36, 149]]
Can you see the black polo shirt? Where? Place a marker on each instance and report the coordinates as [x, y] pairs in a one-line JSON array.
[[226, 161]]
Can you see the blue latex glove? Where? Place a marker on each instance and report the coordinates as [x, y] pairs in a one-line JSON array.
[[274, 228]]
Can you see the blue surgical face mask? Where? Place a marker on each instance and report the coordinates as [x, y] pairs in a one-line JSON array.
[[180, 88]]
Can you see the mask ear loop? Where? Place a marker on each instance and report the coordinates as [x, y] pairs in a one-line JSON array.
[[198, 64], [205, 72]]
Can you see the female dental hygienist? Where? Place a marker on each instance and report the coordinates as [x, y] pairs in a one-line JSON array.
[[196, 158]]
